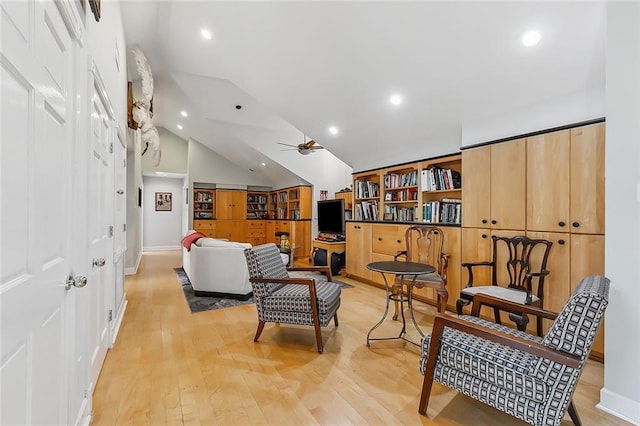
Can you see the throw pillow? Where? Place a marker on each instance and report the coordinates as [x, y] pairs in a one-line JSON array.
[[191, 238]]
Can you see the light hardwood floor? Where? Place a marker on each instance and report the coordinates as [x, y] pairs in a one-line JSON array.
[[169, 366]]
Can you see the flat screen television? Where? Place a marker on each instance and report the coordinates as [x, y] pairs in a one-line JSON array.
[[331, 217]]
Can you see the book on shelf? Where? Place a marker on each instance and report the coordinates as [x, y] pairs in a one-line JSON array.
[[438, 179], [366, 210], [448, 210], [396, 180], [366, 189]]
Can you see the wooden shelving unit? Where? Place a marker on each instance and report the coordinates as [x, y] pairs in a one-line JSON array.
[[257, 205], [203, 203]]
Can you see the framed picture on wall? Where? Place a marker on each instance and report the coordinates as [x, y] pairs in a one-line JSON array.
[[163, 201]]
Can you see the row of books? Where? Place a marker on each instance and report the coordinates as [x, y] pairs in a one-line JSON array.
[[448, 210], [366, 189], [204, 197], [281, 213], [395, 180], [437, 179], [400, 214], [262, 199], [409, 194], [283, 197], [366, 210]]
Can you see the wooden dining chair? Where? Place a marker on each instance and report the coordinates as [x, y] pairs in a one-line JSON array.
[[424, 244]]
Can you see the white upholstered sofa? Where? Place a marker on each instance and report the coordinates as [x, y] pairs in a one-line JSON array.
[[217, 267]]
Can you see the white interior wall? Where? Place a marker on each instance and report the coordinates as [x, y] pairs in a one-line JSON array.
[[568, 109], [162, 230], [174, 154], [621, 392], [134, 211]]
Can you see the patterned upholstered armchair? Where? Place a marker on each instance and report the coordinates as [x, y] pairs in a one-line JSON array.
[[532, 378], [281, 298]]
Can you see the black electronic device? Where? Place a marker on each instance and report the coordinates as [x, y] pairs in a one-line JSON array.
[[331, 217], [337, 260]]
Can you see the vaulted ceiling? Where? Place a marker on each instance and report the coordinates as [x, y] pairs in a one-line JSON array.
[[297, 68]]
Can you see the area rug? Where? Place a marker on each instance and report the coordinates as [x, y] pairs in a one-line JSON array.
[[200, 304]]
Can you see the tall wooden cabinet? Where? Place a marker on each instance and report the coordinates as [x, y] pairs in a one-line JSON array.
[[231, 204], [494, 186], [548, 186]]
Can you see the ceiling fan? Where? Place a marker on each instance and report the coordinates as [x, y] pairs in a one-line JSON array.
[[304, 148]]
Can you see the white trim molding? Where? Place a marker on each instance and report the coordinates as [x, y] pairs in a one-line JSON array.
[[620, 406]]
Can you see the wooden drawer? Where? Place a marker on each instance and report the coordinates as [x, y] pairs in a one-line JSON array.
[[204, 224], [207, 232], [255, 233], [255, 224], [256, 241], [388, 239]]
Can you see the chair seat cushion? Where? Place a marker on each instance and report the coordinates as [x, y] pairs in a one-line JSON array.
[[496, 364], [513, 295], [295, 298]]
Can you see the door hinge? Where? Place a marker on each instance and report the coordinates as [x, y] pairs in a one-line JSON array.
[[124, 227], [111, 231], [124, 163], [111, 148], [110, 315]]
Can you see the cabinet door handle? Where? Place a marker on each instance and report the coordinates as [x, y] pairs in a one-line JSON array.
[[484, 220], [379, 239], [561, 223], [575, 224], [398, 240], [494, 221], [561, 242], [484, 235]]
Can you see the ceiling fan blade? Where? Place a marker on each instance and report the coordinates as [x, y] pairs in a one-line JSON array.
[[294, 146]]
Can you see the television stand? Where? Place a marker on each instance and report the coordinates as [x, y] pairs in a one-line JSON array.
[[331, 247]]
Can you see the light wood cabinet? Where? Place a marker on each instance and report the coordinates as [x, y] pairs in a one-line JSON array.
[[565, 181], [587, 179], [358, 254], [587, 258], [231, 204], [255, 232], [205, 226], [233, 230], [494, 186]]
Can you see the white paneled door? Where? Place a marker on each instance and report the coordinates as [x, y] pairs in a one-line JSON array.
[[100, 223], [36, 213]]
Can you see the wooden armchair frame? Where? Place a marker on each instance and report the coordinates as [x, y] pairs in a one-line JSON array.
[[524, 345], [520, 273], [311, 284]]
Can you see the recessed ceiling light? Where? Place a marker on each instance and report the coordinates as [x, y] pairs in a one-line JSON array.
[[184, 113], [206, 34], [531, 38], [395, 100], [333, 130], [264, 164], [179, 126]]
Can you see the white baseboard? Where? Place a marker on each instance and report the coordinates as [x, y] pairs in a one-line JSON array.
[[134, 270], [117, 321], [162, 248], [619, 406]]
